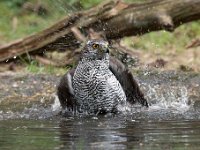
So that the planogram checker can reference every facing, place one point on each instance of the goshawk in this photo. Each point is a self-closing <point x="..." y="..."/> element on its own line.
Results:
<point x="99" y="83"/>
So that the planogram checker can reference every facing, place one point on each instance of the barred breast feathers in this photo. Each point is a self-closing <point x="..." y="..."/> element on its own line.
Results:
<point x="96" y="87"/>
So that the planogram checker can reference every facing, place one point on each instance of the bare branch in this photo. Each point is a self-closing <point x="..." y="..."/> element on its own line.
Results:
<point x="115" y="19"/>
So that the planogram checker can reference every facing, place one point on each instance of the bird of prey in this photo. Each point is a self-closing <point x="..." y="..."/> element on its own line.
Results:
<point x="99" y="83"/>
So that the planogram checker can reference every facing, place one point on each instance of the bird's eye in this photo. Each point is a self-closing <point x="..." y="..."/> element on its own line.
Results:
<point x="95" y="46"/>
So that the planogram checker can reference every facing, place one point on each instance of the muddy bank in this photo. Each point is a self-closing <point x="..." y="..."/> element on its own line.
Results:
<point x="19" y="90"/>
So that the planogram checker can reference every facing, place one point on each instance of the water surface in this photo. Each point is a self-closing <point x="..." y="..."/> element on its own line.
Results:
<point x="171" y="122"/>
<point x="99" y="133"/>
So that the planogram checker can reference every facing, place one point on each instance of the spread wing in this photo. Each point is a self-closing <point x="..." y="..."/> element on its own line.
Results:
<point x="127" y="81"/>
<point x="65" y="91"/>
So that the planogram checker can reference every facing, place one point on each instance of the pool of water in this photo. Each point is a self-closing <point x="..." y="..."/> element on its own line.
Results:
<point x="171" y="122"/>
<point x="114" y="132"/>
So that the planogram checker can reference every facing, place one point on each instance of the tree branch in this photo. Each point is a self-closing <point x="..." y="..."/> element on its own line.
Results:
<point x="115" y="19"/>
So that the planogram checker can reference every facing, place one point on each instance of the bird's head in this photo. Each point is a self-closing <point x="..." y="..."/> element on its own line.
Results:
<point x="96" y="50"/>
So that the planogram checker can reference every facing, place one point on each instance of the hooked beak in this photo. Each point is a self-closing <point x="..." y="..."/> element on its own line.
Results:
<point x="106" y="48"/>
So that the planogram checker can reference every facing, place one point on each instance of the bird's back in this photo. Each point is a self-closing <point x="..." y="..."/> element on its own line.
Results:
<point x="96" y="89"/>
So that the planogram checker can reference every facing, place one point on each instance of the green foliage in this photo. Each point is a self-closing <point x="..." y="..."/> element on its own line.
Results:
<point x="35" y="67"/>
<point x="14" y="3"/>
<point x="15" y="23"/>
<point x="134" y="1"/>
<point x="164" y="40"/>
<point x="89" y="3"/>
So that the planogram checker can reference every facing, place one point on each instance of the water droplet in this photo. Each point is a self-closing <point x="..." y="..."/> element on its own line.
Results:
<point x="94" y="118"/>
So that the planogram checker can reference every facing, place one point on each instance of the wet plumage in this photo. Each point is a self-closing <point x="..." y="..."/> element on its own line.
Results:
<point x="99" y="83"/>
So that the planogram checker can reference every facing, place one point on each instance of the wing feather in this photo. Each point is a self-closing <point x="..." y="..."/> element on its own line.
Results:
<point x="133" y="93"/>
<point x="127" y="81"/>
<point x="65" y="90"/>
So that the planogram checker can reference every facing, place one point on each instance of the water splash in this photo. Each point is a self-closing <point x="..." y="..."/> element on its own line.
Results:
<point x="168" y="97"/>
<point x="166" y="102"/>
<point x="56" y="105"/>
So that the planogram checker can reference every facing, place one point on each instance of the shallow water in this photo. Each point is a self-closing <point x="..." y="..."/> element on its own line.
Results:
<point x="171" y="122"/>
<point x="99" y="133"/>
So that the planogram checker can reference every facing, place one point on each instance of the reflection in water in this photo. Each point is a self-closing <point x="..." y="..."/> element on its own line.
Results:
<point x="100" y="133"/>
<point x="113" y="132"/>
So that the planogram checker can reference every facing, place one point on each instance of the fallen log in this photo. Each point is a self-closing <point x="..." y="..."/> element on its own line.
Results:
<point x="115" y="19"/>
